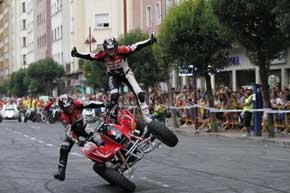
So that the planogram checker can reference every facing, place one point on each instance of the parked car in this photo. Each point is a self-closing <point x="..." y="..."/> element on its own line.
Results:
<point x="10" y="111"/>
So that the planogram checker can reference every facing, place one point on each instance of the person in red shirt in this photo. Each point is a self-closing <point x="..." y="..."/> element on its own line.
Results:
<point x="115" y="59"/>
<point x="72" y="119"/>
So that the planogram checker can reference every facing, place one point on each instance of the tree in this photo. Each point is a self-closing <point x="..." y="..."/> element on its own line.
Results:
<point x="4" y="87"/>
<point x="43" y="74"/>
<point x="19" y="86"/>
<point x="192" y="35"/>
<point x="95" y="74"/>
<point x="261" y="27"/>
<point x="143" y="63"/>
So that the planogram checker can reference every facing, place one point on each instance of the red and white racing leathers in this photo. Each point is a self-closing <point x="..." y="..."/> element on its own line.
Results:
<point x="119" y="71"/>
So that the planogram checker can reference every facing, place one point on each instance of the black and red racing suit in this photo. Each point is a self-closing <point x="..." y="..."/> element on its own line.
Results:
<point x="75" y="124"/>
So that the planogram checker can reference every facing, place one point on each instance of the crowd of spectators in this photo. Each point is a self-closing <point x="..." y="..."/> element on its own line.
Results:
<point x="158" y="100"/>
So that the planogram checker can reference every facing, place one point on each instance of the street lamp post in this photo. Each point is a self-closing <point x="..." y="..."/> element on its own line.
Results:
<point x="90" y="40"/>
<point x="125" y="16"/>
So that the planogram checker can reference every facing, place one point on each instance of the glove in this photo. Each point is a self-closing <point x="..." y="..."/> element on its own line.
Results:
<point x="74" y="52"/>
<point x="81" y="141"/>
<point x="153" y="39"/>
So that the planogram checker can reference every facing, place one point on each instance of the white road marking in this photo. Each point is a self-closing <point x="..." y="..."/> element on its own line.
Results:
<point x="40" y="141"/>
<point x="77" y="154"/>
<point x="155" y="182"/>
<point x="49" y="145"/>
<point x="34" y="127"/>
<point x="33" y="138"/>
<point x="26" y="136"/>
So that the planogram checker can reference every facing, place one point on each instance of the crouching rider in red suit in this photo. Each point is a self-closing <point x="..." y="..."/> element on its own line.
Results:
<point x="72" y="119"/>
<point x="115" y="59"/>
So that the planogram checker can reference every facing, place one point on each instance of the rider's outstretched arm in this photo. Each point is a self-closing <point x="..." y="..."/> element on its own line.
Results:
<point x="99" y="56"/>
<point x="139" y="45"/>
<point x="93" y="104"/>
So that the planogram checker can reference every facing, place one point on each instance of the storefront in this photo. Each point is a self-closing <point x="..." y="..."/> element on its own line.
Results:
<point x="242" y="72"/>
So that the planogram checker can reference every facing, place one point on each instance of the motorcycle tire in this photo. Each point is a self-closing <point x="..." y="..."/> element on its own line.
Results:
<point x="163" y="133"/>
<point x="115" y="178"/>
<point x="38" y="118"/>
<point x="51" y="119"/>
<point x="140" y="125"/>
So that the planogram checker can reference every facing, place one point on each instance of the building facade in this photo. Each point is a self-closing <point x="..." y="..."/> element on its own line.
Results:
<point x="42" y="29"/>
<point x="242" y="72"/>
<point x="21" y="40"/>
<point x="4" y="39"/>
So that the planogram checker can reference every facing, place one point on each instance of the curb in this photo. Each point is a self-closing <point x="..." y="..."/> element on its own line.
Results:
<point x="271" y="141"/>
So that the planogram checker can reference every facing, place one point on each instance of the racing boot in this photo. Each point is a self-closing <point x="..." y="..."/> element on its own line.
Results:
<point x="64" y="151"/>
<point x="60" y="175"/>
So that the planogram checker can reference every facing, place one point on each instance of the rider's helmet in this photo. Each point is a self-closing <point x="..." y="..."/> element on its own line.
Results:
<point x="110" y="43"/>
<point x="65" y="102"/>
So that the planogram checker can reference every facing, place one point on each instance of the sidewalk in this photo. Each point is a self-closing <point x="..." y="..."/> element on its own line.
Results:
<point x="279" y="140"/>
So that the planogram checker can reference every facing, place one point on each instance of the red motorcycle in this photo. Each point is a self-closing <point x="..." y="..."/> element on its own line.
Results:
<point x="125" y="144"/>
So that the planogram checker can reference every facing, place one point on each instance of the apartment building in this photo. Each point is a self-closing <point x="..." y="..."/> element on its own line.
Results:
<point x="4" y="39"/>
<point x="42" y="29"/>
<point x="60" y="32"/>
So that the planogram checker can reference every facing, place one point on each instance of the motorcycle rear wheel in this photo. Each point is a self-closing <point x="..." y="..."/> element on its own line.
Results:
<point x="165" y="135"/>
<point x="114" y="178"/>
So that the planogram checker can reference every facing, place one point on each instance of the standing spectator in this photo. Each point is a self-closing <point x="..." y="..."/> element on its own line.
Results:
<point x="248" y="109"/>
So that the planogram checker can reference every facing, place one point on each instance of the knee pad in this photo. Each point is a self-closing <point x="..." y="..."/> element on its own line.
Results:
<point x="65" y="149"/>
<point x="141" y="97"/>
<point x="114" y="97"/>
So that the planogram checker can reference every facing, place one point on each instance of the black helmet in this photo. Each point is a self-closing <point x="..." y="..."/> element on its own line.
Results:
<point x="65" y="101"/>
<point x="110" y="43"/>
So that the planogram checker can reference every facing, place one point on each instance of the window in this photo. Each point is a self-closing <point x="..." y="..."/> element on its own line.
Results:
<point x="67" y="67"/>
<point x="23" y="24"/>
<point x="57" y="36"/>
<point x="168" y="5"/>
<point x="24" y="42"/>
<point x="61" y="35"/>
<point x="102" y="21"/>
<point x="158" y="13"/>
<point x="148" y="16"/>
<point x="23" y="7"/>
<point x="44" y="38"/>
<point x="24" y="59"/>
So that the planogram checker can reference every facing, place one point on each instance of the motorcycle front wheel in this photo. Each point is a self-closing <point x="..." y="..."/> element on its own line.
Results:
<point x="114" y="177"/>
<point x="165" y="135"/>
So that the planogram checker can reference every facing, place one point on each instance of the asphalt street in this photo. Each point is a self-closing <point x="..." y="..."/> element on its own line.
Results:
<point x="198" y="164"/>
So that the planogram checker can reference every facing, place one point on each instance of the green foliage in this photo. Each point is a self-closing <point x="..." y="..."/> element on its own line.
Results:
<point x="191" y="34"/>
<point x="145" y="67"/>
<point x="4" y="87"/>
<point x="42" y="74"/>
<point x="262" y="26"/>
<point x="19" y="86"/>
<point x="95" y="74"/>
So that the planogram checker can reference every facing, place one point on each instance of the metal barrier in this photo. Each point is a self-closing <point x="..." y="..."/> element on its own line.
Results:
<point x="232" y="119"/>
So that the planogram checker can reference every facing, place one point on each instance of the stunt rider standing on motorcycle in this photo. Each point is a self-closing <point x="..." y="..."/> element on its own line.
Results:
<point x="115" y="59"/>
<point x="71" y="117"/>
